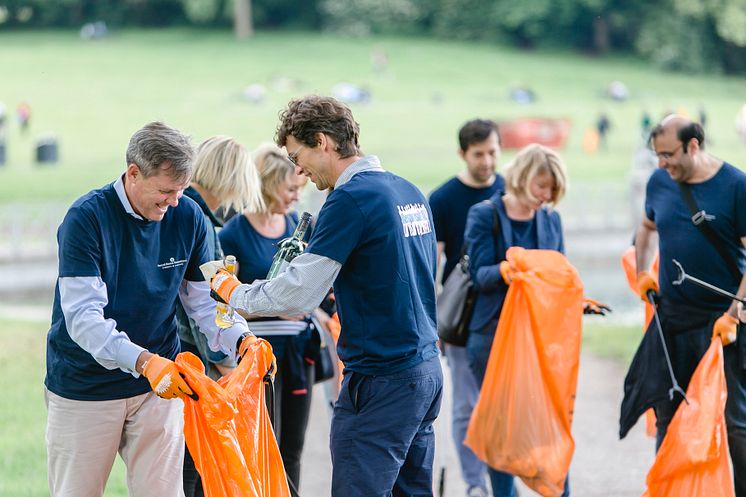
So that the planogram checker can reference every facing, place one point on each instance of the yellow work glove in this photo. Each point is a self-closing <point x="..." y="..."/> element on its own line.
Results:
<point x="726" y="327"/>
<point x="645" y="283"/>
<point x="165" y="379"/>
<point x="506" y="271"/>
<point x="222" y="285"/>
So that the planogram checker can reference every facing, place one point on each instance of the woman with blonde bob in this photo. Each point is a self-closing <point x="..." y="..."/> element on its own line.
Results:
<point x="223" y="176"/>
<point x="535" y="181"/>
<point x="253" y="238"/>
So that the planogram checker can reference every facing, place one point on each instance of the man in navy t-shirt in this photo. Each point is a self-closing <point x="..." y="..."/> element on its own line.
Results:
<point x="690" y="315"/>
<point x="373" y="241"/>
<point x="127" y="252"/>
<point x="479" y="147"/>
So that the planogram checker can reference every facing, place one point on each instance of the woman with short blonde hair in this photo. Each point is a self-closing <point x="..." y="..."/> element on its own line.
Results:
<point x="224" y="173"/>
<point x="275" y="171"/>
<point x="522" y="216"/>
<point x="535" y="160"/>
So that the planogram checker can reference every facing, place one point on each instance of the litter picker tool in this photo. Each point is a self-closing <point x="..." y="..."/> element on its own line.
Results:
<point x="718" y="291"/>
<point x="674" y="384"/>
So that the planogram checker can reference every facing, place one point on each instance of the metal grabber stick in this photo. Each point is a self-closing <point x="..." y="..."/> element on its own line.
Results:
<point x="674" y="384"/>
<point x="718" y="291"/>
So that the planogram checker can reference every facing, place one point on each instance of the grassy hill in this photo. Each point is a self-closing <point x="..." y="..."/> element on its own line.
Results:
<point x="93" y="95"/>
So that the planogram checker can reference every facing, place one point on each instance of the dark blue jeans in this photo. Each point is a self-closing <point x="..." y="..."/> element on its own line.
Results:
<point x="688" y="334"/>
<point x="382" y="440"/>
<point x="478" y="352"/>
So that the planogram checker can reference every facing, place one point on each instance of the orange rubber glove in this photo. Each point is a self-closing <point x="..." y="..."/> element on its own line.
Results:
<point x="222" y="284"/>
<point x="645" y="283"/>
<point x="593" y="306"/>
<point x="165" y="379"/>
<point x="244" y="345"/>
<point x="726" y="327"/>
<point x="506" y="271"/>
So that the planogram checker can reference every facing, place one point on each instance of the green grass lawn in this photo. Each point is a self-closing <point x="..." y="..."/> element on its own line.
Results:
<point x="93" y="95"/>
<point x="23" y="463"/>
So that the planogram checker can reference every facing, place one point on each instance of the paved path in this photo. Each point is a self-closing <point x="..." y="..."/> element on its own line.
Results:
<point x="602" y="466"/>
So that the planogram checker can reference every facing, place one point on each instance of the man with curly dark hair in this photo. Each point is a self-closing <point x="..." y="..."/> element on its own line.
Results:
<point x="375" y="243"/>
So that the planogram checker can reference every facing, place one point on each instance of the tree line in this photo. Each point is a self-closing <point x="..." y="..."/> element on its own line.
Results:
<point x="683" y="35"/>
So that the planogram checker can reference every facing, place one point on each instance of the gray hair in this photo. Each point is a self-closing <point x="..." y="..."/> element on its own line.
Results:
<point x="156" y="146"/>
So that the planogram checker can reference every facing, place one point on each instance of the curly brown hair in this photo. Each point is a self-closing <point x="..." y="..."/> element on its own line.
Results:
<point x="307" y="116"/>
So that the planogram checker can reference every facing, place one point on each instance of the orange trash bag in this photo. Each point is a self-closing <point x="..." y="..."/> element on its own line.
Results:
<point x="228" y="431"/>
<point x="521" y="423"/>
<point x="629" y="264"/>
<point x="694" y="460"/>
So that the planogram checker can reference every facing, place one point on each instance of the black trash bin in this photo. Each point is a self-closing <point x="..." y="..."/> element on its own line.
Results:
<point x="46" y="150"/>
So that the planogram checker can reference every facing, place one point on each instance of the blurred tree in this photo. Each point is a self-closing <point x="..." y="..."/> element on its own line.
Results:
<point x="243" y="26"/>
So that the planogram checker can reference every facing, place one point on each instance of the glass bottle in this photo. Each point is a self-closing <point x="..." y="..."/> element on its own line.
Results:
<point x="224" y="313"/>
<point x="290" y="248"/>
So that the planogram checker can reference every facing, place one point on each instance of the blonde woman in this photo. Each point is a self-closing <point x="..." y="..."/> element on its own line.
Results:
<point x="223" y="176"/>
<point x="253" y="238"/>
<point x="535" y="181"/>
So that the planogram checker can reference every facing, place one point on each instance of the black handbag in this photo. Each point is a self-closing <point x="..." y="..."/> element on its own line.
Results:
<point x="455" y="304"/>
<point x="321" y="352"/>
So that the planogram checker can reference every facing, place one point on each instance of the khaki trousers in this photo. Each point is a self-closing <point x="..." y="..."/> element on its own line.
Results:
<point x="83" y="438"/>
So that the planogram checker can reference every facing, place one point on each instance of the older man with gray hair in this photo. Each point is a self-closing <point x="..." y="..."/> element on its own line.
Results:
<point x="127" y="252"/>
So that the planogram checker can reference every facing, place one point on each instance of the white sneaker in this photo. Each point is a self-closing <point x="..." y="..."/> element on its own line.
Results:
<point x="476" y="492"/>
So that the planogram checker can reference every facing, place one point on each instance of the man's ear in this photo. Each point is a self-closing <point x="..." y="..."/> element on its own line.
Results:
<point x="693" y="146"/>
<point x="324" y="142"/>
<point x="133" y="172"/>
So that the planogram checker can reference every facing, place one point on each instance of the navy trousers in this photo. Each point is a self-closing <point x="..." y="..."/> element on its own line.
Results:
<point x="382" y="440"/>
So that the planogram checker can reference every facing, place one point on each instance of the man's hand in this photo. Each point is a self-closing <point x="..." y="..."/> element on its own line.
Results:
<point x="726" y="328"/>
<point x="645" y="283"/>
<point x="223" y="284"/>
<point x="592" y="306"/>
<point x="165" y="379"/>
<point x="506" y="271"/>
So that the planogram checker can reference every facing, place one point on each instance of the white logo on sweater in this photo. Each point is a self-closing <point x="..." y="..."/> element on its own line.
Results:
<point x="414" y="219"/>
<point x="172" y="263"/>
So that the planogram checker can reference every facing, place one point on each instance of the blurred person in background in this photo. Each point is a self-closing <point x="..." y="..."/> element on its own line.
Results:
<point x="253" y="237"/>
<point x="535" y="181"/>
<point x="127" y="253"/>
<point x="479" y="148"/>
<point x="224" y="176"/>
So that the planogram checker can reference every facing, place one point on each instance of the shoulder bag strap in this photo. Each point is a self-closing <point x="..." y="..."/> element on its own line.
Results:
<point x="699" y="220"/>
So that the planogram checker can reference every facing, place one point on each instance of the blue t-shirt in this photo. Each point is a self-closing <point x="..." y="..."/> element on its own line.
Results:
<point x="524" y="233"/>
<point x="723" y="198"/>
<point x="450" y="203"/>
<point x="142" y="264"/>
<point x="379" y="227"/>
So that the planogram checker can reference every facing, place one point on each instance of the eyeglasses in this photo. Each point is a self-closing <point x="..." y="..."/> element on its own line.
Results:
<point x="294" y="156"/>
<point x="668" y="155"/>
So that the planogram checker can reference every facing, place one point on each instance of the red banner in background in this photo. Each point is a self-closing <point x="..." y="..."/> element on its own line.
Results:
<point x="520" y="132"/>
